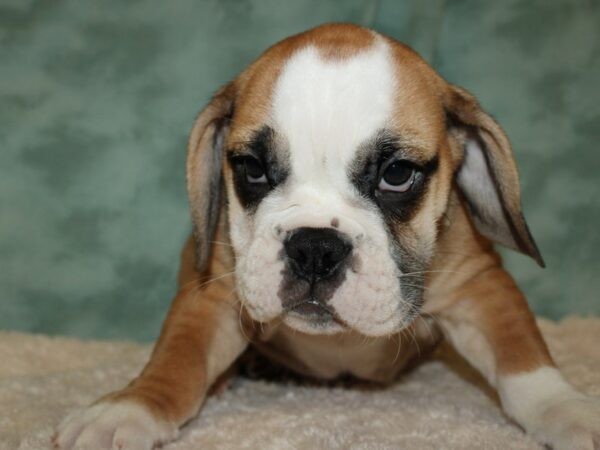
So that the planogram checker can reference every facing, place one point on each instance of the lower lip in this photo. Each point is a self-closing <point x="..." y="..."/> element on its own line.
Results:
<point x="317" y="325"/>
<point x="313" y="310"/>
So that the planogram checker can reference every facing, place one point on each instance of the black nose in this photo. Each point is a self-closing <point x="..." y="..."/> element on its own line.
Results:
<point x="316" y="253"/>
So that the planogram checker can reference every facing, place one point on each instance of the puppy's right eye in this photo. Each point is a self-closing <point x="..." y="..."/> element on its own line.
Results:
<point x="254" y="170"/>
<point x="397" y="177"/>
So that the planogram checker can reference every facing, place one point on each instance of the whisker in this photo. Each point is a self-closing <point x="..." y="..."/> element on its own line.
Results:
<point x="456" y="253"/>
<point x="413" y="334"/>
<point x="420" y="272"/>
<point x="218" y="277"/>
<point x="427" y="326"/>
<point x="419" y="286"/>
<point x="221" y="243"/>
<point x="399" y="336"/>
<point x="193" y="280"/>
<point x="199" y="285"/>
<point x="242" y="304"/>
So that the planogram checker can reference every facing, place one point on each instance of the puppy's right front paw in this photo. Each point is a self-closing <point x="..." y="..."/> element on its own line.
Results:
<point x="122" y="425"/>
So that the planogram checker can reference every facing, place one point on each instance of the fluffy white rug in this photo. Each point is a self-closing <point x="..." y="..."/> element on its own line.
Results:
<point x="440" y="404"/>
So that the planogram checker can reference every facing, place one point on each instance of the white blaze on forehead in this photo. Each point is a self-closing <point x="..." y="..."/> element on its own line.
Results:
<point x="326" y="108"/>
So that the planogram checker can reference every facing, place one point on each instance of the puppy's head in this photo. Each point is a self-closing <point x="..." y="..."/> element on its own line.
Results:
<point x="336" y="152"/>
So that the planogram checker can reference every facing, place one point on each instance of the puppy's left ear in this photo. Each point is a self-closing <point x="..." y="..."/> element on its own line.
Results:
<point x="204" y="169"/>
<point x="488" y="176"/>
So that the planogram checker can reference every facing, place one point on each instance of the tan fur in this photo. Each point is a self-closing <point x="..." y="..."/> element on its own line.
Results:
<point x="469" y="285"/>
<point x="201" y="337"/>
<point x="477" y="303"/>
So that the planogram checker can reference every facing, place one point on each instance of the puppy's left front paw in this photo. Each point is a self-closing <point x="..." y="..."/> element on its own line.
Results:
<point x="119" y="425"/>
<point x="570" y="424"/>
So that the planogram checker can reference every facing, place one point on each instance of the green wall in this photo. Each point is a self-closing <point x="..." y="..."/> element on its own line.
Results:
<point x="97" y="98"/>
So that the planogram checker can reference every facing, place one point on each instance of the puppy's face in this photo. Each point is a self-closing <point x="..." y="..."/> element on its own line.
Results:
<point x="335" y="191"/>
<point x="338" y="168"/>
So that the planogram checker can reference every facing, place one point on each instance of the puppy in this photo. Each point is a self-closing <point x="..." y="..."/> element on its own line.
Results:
<point x="341" y="189"/>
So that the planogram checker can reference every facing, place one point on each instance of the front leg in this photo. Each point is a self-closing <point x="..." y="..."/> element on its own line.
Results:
<point x="490" y="324"/>
<point x="200" y="339"/>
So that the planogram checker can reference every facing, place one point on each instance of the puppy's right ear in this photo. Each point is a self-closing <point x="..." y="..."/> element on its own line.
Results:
<point x="204" y="169"/>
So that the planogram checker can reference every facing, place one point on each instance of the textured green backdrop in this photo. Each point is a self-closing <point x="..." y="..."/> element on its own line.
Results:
<point x="97" y="98"/>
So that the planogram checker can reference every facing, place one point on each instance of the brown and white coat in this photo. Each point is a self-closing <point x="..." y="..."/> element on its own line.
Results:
<point x="407" y="181"/>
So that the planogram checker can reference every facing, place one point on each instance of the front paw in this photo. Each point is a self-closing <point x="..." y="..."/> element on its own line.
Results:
<point x="571" y="424"/>
<point x="551" y="410"/>
<point x="113" y="424"/>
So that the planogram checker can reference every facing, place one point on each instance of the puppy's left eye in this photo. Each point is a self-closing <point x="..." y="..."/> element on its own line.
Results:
<point x="254" y="171"/>
<point x="397" y="177"/>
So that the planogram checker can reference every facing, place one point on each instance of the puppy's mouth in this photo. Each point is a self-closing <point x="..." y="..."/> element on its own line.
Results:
<point x="314" y="311"/>
<point x="313" y="317"/>
<point x="307" y="302"/>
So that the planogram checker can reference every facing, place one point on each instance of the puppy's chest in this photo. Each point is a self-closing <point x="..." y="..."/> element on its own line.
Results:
<point x="327" y="357"/>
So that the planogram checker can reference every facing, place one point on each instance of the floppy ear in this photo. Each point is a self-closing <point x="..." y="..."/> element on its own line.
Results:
<point x="204" y="169"/>
<point x="488" y="176"/>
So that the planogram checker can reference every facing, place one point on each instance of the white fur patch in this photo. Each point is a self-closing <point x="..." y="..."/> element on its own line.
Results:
<point x="327" y="108"/>
<point x="113" y="425"/>
<point x="550" y="409"/>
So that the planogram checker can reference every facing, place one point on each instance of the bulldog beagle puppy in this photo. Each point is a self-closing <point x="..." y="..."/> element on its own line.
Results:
<point x="345" y="201"/>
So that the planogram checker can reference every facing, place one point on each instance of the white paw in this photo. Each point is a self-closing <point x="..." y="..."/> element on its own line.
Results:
<point x="551" y="410"/>
<point x="571" y="424"/>
<point x="116" y="425"/>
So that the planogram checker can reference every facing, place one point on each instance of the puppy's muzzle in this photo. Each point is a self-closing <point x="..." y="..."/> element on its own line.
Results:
<point x="316" y="256"/>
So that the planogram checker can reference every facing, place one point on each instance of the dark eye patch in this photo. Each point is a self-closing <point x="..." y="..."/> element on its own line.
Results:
<point x="384" y="152"/>
<point x="386" y="157"/>
<point x="251" y="161"/>
<point x="254" y="170"/>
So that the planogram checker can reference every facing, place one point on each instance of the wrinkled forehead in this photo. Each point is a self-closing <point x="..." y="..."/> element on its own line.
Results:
<point x="325" y="105"/>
